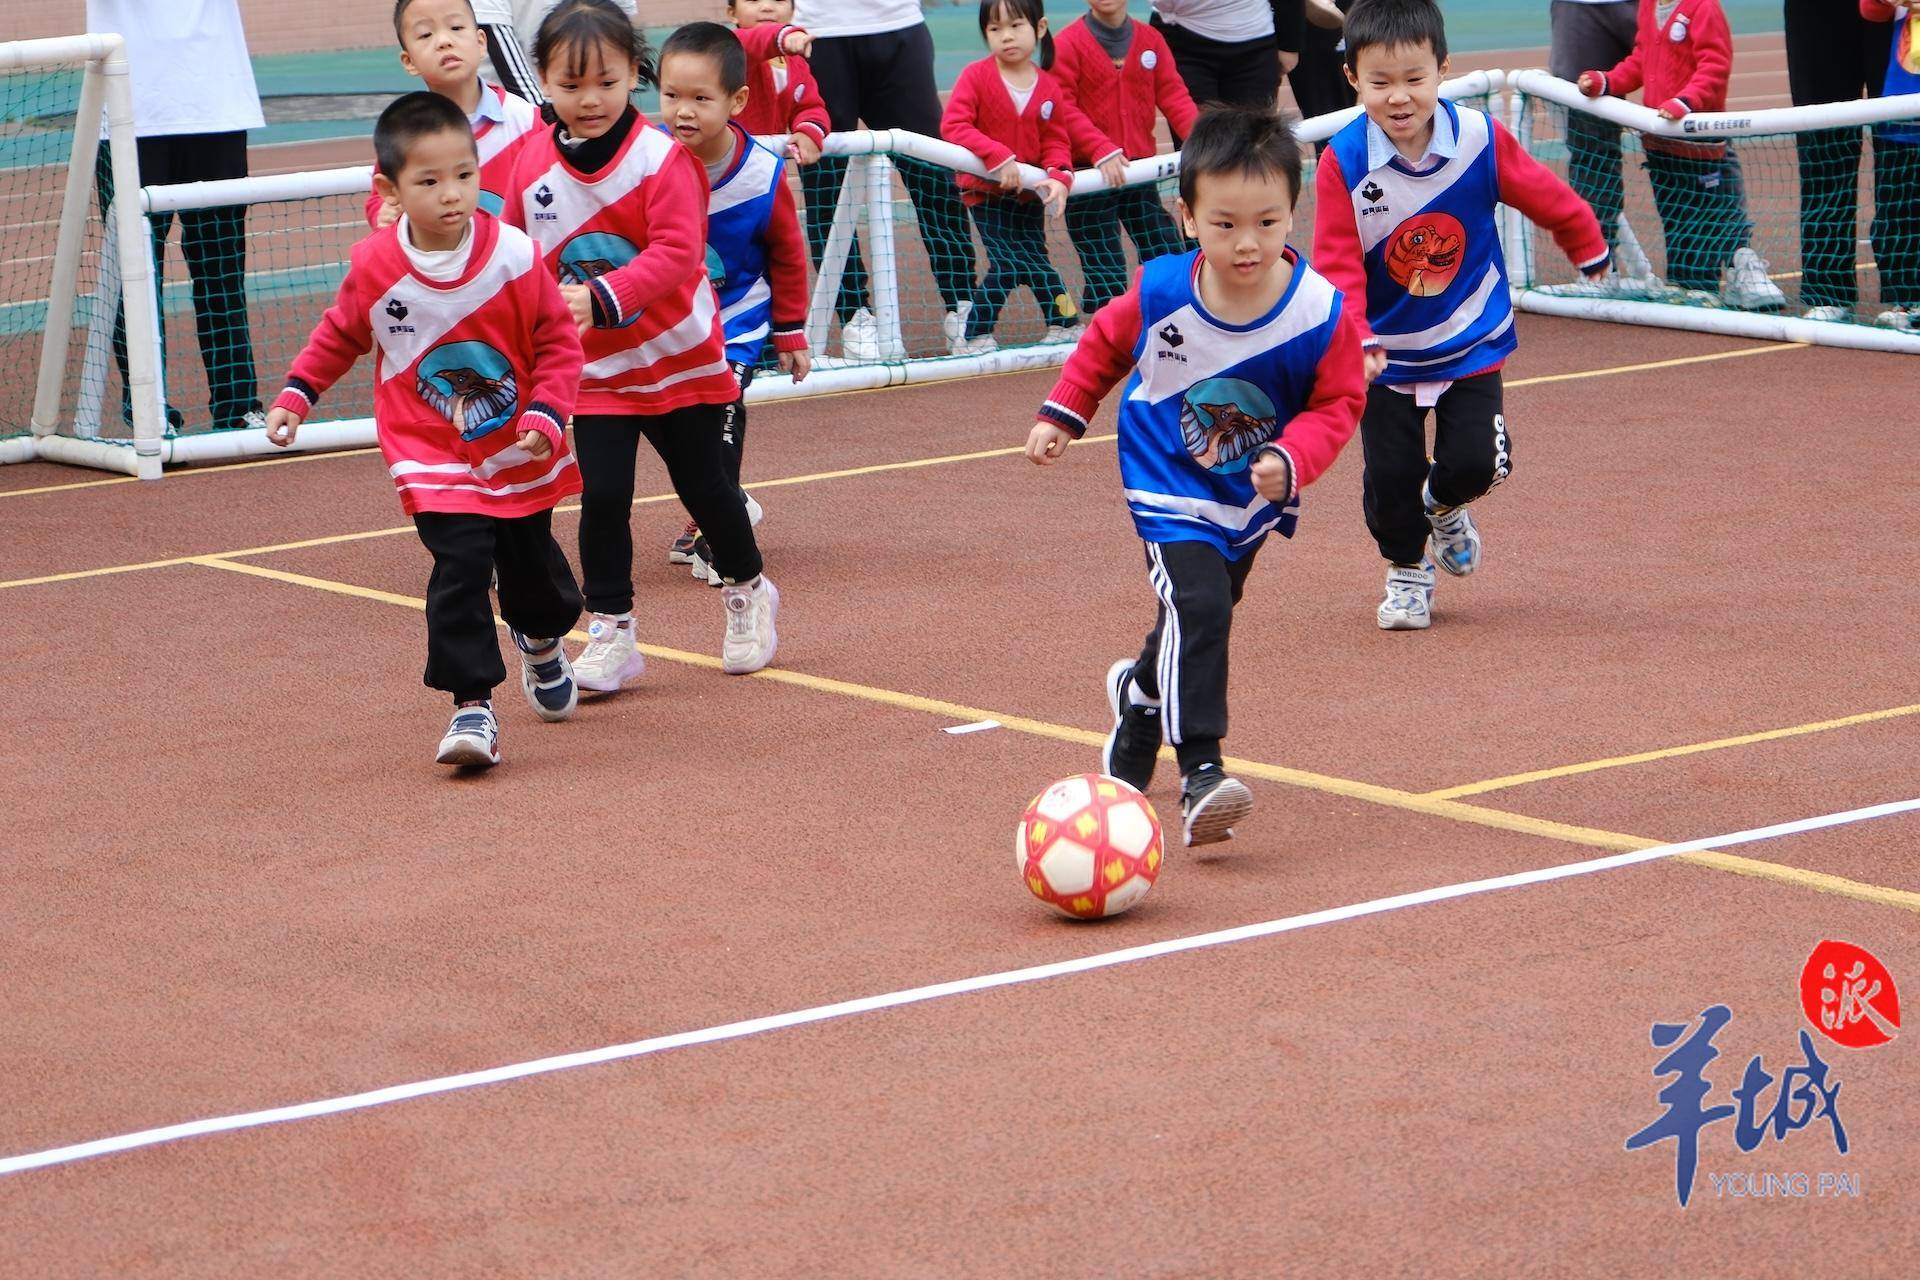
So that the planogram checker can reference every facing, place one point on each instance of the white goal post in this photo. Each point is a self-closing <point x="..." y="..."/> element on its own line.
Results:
<point x="104" y="87"/>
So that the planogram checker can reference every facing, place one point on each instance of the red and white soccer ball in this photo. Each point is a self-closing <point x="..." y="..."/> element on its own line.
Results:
<point x="1089" y="846"/>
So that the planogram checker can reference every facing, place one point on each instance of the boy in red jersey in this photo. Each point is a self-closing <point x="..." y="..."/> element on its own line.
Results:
<point x="782" y="96"/>
<point x="477" y="360"/>
<point x="1118" y="71"/>
<point x="442" y="43"/>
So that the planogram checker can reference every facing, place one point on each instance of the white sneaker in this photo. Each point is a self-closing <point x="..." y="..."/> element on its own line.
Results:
<point x="985" y="344"/>
<point x="1061" y="333"/>
<point x="860" y="338"/>
<point x="473" y="738"/>
<point x="545" y="677"/>
<point x="700" y="563"/>
<point x="751" y="638"/>
<point x="1456" y="541"/>
<point x="1748" y="286"/>
<point x="755" y="512"/>
<point x="1828" y="314"/>
<point x="1409" y="602"/>
<point x="954" y="326"/>
<point x="612" y="656"/>
<point x="1905" y="319"/>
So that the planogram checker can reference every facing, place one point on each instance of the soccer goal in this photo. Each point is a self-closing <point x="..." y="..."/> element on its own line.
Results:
<point x="63" y="275"/>
<point x="1720" y="216"/>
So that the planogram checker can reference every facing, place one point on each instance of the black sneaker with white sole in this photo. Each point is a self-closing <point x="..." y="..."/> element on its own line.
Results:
<point x="1134" y="744"/>
<point x="1211" y="803"/>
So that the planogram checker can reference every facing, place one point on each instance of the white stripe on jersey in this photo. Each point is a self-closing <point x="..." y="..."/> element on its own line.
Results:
<point x="660" y="384"/>
<point x="576" y="201"/>
<point x="431" y="313"/>
<point x="1405" y="195"/>
<point x="694" y="328"/>
<point x="511" y="456"/>
<point x="1175" y="506"/>
<point x="1464" y="317"/>
<point x="1221" y="349"/>
<point x="753" y="179"/>
<point x="759" y="293"/>
<point x="553" y="473"/>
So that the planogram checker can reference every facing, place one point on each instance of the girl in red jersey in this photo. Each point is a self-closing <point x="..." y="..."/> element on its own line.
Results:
<point x="1007" y="110"/>
<point x="619" y="214"/>
<point x="1118" y="71"/>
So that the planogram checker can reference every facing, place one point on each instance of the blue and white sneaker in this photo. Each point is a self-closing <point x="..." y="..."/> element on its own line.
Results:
<point x="1455" y="540"/>
<point x="473" y="737"/>
<point x="546" y="677"/>
<point x="1409" y="601"/>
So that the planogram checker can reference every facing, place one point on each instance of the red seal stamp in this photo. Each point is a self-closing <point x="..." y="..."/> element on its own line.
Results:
<point x="1849" y="995"/>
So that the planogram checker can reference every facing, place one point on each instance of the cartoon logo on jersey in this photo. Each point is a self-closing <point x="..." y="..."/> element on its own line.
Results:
<point x="1424" y="255"/>
<point x="469" y="384"/>
<point x="1223" y="420"/>
<point x="595" y="254"/>
<point x="716" y="269"/>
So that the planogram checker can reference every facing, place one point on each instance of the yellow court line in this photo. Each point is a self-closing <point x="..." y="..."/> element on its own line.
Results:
<point x="211" y="470"/>
<point x="1674" y="363"/>
<point x="395" y="530"/>
<point x="1388" y="797"/>
<point x="1667" y="753"/>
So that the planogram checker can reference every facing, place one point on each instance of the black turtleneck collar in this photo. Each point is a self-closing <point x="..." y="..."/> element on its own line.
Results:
<point x="591" y="155"/>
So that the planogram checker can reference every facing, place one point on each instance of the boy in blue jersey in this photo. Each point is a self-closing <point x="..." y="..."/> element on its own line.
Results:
<point x="756" y="255"/>
<point x="1404" y="218"/>
<point x="1243" y="372"/>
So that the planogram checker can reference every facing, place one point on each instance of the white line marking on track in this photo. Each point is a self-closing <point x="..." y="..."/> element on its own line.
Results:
<point x="919" y="995"/>
<point x="978" y="726"/>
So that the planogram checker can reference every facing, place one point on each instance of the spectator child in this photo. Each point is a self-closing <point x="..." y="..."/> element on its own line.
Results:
<point x="442" y="43"/>
<point x="756" y="256"/>
<point x="619" y="214"/>
<point x="1682" y="57"/>
<point x="1007" y="110"/>
<point x="782" y="96"/>
<point x="1244" y="381"/>
<point x="1404" y="217"/>
<point x="1896" y="174"/>
<point x="476" y="360"/>
<point x="1117" y="71"/>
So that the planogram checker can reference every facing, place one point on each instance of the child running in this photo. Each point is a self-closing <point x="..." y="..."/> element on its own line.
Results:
<point x="1682" y="58"/>
<point x="782" y="95"/>
<point x="1007" y="110"/>
<point x="756" y="256"/>
<point x="619" y="212"/>
<point x="1118" y="71"/>
<point x="1244" y="380"/>
<point x="475" y="366"/>
<point x="442" y="43"/>
<point x="1405" y="219"/>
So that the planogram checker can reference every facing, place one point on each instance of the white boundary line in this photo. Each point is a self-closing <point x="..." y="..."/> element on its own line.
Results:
<point x="918" y="995"/>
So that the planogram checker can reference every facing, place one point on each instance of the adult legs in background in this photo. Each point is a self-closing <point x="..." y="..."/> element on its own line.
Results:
<point x="1896" y="228"/>
<point x="1195" y="56"/>
<point x="214" y="243"/>
<point x="510" y="62"/>
<point x="835" y="68"/>
<point x="1593" y="37"/>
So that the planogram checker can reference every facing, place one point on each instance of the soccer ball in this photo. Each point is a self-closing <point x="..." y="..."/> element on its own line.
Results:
<point x="1088" y="846"/>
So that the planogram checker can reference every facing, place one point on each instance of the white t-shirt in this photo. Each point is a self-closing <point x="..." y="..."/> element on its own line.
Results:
<point x="858" y="17"/>
<point x="1228" y="21"/>
<point x="529" y="14"/>
<point x="489" y="12"/>
<point x="191" y="73"/>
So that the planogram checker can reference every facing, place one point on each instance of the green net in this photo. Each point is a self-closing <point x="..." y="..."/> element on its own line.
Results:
<point x="1823" y="221"/>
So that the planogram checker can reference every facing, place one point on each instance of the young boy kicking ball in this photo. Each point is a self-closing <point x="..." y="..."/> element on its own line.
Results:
<point x="1243" y="382"/>
<point x="477" y="361"/>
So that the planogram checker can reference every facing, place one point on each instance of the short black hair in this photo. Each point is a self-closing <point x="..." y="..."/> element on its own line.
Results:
<point x="711" y="40"/>
<point x="1255" y="141"/>
<point x="576" y="27"/>
<point x="409" y="118"/>
<point x="400" y="13"/>
<point x="1394" y="22"/>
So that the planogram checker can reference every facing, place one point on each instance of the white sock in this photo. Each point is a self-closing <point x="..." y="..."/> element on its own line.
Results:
<point x="1137" y="698"/>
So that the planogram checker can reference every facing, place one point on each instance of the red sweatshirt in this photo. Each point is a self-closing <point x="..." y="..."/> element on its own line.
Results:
<point x="782" y="95"/>
<point x="1683" y="65"/>
<point x="460" y="370"/>
<point x="980" y="117"/>
<point x="499" y="143"/>
<point x="635" y="233"/>
<point x="1119" y="101"/>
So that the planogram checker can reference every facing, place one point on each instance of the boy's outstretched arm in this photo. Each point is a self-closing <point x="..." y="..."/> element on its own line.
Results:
<point x="1549" y="203"/>
<point x="1098" y="363"/>
<point x="1314" y="437"/>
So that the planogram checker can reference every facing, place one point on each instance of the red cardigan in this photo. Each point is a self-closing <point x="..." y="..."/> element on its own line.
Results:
<point x="1684" y="74"/>
<point x="1049" y="133"/>
<point x="1120" y="100"/>
<point x="797" y="109"/>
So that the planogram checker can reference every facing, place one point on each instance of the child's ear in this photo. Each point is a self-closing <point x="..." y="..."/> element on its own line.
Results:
<point x="1352" y="79"/>
<point x="1040" y="32"/>
<point x="384" y="187"/>
<point x="406" y="64"/>
<point x="738" y="102"/>
<point x="481" y="31"/>
<point x="1446" y="68"/>
<point x="1187" y="224"/>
